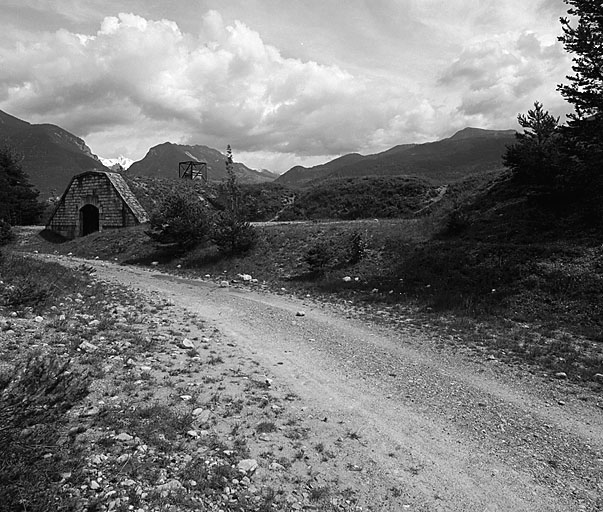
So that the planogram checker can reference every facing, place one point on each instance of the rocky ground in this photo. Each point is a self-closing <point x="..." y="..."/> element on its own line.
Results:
<point x="176" y="418"/>
<point x="213" y="395"/>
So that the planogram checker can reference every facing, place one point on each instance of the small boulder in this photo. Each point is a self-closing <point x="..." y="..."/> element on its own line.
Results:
<point x="247" y="465"/>
<point x="347" y="279"/>
<point x="561" y="375"/>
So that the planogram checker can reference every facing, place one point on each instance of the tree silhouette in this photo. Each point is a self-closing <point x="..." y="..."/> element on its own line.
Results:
<point x="18" y="199"/>
<point x="583" y="37"/>
<point x="535" y="156"/>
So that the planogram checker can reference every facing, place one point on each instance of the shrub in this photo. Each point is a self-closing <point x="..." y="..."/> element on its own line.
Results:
<point x="320" y="256"/>
<point x="232" y="234"/>
<point x="28" y="282"/>
<point x="181" y="221"/>
<point x="357" y="247"/>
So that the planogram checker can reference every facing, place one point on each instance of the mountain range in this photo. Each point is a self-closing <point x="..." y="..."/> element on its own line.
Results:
<point x="467" y="152"/>
<point x="51" y="156"/>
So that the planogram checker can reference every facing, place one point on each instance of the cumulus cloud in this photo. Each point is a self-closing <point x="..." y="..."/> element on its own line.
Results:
<point x="504" y="75"/>
<point x="225" y="84"/>
<point x="134" y="82"/>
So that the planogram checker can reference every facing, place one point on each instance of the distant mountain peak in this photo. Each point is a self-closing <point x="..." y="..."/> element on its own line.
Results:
<point x="471" y="132"/>
<point x="163" y="160"/>
<point x="468" y="152"/>
<point x="115" y="164"/>
<point x="51" y="154"/>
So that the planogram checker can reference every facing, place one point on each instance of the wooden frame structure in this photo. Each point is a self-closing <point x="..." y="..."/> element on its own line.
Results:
<point x="193" y="170"/>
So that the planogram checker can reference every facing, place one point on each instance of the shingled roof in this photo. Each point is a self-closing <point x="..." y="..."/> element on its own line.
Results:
<point x="126" y="194"/>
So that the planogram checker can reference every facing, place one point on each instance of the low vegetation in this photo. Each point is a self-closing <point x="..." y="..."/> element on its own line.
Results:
<point x="181" y="221"/>
<point x="366" y="197"/>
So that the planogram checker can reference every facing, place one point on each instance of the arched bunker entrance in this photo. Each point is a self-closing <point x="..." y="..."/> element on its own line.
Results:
<point x="89" y="219"/>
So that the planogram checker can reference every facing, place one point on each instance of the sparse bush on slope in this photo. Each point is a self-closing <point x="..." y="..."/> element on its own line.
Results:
<point x="181" y="221"/>
<point x="33" y="403"/>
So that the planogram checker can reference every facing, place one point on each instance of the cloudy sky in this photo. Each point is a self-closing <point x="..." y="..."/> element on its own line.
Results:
<point x="285" y="82"/>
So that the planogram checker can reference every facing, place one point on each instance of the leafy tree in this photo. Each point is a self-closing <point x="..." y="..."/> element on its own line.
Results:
<point x="231" y="232"/>
<point x="535" y="157"/>
<point x="180" y="220"/>
<point x="584" y="91"/>
<point x="18" y="199"/>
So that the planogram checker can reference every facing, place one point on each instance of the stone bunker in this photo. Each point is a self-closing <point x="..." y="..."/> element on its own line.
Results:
<point x="96" y="201"/>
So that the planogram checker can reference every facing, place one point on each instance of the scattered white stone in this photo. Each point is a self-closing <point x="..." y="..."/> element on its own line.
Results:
<point x="197" y="411"/>
<point x="123" y="458"/>
<point x="94" y="485"/>
<point x="224" y="284"/>
<point x="347" y="279"/>
<point x="172" y="485"/>
<point x="193" y="434"/>
<point x="247" y="465"/>
<point x="124" y="437"/>
<point x="38" y="319"/>
<point x="300" y="313"/>
<point x="154" y="263"/>
<point x="186" y="398"/>
<point x="599" y="377"/>
<point x="178" y="266"/>
<point x="561" y="375"/>
<point x="187" y="344"/>
<point x="86" y="346"/>
<point x="94" y="323"/>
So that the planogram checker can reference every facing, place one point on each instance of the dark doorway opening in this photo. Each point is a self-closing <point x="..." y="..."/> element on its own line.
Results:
<point x="89" y="217"/>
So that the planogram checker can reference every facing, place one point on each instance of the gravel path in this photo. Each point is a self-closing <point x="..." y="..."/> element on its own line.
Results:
<point x="444" y="432"/>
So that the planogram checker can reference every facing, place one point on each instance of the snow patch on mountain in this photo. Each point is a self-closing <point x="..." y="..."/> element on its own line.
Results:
<point x="116" y="164"/>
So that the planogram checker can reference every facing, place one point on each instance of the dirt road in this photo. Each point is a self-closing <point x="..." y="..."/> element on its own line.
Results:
<point x="445" y="432"/>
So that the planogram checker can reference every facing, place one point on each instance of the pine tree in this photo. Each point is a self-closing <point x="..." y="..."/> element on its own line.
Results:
<point x="231" y="232"/>
<point x="18" y="199"/>
<point x="583" y="37"/>
<point x="535" y="157"/>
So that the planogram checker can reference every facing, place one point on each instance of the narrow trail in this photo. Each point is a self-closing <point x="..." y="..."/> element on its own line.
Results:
<point x="453" y="435"/>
